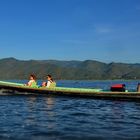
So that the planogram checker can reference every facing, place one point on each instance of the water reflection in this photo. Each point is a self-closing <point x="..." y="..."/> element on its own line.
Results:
<point x="49" y="104"/>
<point x="118" y="109"/>
<point x="31" y="102"/>
<point x="46" y="102"/>
<point x="48" y="117"/>
<point x="41" y="112"/>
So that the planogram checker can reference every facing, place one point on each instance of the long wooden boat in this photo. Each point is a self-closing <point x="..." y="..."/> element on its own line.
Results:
<point x="21" y="89"/>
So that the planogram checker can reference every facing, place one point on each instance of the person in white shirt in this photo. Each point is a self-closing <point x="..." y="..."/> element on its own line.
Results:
<point x="50" y="83"/>
<point x="32" y="81"/>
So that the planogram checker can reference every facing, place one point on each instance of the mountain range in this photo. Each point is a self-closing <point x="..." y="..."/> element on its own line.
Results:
<point x="11" y="68"/>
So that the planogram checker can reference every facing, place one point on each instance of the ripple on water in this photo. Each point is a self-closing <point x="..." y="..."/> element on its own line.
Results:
<point x="24" y="117"/>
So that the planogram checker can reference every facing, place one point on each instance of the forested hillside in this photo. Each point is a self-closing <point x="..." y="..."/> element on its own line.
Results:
<point x="11" y="68"/>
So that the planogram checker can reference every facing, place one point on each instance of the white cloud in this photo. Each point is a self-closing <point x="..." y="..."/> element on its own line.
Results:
<point x="73" y="41"/>
<point x="103" y="30"/>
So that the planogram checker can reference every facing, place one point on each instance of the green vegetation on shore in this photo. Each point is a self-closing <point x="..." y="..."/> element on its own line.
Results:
<point x="11" y="68"/>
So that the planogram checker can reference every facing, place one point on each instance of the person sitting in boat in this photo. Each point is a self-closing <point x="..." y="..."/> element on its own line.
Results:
<point x="138" y="87"/>
<point x="50" y="83"/>
<point x="32" y="82"/>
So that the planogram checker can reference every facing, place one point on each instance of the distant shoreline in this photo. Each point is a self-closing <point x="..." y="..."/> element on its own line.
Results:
<point x="12" y="68"/>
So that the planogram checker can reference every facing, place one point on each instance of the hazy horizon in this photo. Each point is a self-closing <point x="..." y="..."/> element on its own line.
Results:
<point x="67" y="60"/>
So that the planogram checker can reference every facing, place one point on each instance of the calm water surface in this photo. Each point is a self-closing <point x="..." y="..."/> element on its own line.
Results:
<point x="66" y="118"/>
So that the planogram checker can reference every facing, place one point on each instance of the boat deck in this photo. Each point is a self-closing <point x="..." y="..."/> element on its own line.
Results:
<point x="20" y="89"/>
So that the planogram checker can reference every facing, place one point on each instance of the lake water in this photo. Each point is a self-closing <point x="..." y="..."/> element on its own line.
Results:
<point x="66" y="118"/>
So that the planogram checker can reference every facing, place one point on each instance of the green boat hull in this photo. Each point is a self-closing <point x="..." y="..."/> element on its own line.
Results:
<point x="20" y="89"/>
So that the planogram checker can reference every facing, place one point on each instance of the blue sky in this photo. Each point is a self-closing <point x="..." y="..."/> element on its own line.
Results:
<point x="103" y="30"/>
